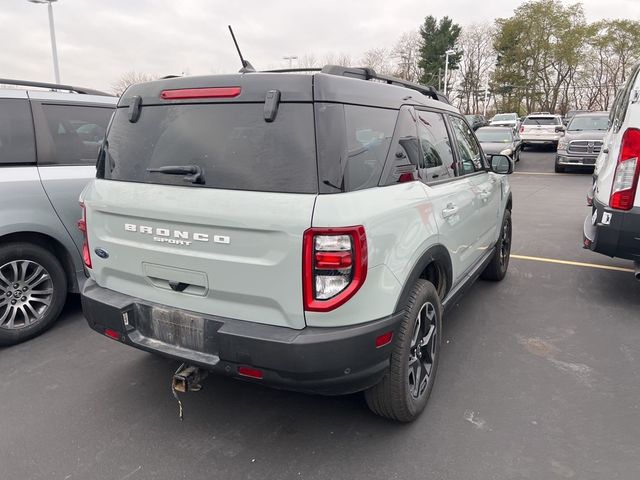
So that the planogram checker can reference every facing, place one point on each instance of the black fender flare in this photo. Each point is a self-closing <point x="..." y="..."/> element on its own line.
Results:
<point x="437" y="253"/>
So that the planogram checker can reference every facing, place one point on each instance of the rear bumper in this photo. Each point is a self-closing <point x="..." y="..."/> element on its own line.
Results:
<point x="545" y="138"/>
<point x="612" y="232"/>
<point x="328" y="361"/>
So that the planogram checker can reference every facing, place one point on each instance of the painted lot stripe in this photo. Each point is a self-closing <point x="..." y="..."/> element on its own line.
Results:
<point x="574" y="264"/>
<point x="548" y="173"/>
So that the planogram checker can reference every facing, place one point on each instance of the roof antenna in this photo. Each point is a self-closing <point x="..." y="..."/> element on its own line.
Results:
<point x="246" y="65"/>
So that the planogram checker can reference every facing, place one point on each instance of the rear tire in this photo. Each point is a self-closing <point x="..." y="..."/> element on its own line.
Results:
<point x="497" y="268"/>
<point x="403" y="392"/>
<point x="33" y="289"/>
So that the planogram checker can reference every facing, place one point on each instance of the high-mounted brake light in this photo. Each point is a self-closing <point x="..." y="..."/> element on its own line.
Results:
<point x="334" y="266"/>
<point x="82" y="226"/>
<point x="209" y="92"/>
<point x="625" y="181"/>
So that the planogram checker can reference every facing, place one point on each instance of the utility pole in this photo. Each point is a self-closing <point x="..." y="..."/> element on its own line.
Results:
<point x="486" y="94"/>
<point x="446" y="68"/>
<point x="52" y="32"/>
<point x="290" y="58"/>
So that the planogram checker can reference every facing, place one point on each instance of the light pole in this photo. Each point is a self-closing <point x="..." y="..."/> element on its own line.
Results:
<point x="446" y="68"/>
<point x="52" y="31"/>
<point x="486" y="95"/>
<point x="290" y="58"/>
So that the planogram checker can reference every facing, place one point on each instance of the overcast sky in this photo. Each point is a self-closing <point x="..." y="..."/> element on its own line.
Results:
<point x="98" y="40"/>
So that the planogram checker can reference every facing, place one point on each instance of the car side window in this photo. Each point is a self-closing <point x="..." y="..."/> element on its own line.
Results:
<point x="72" y="134"/>
<point x="437" y="160"/>
<point x="469" y="153"/>
<point x="17" y="145"/>
<point x="623" y="101"/>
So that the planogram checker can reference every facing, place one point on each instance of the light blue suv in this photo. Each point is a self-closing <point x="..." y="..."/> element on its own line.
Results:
<point x="49" y="139"/>
<point x="298" y="231"/>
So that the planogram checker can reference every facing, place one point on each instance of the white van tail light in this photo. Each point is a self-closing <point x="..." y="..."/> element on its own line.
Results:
<point x="334" y="266"/>
<point x="82" y="226"/>
<point x="625" y="182"/>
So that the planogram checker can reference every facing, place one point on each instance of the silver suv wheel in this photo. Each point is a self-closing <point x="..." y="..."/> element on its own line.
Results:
<point x="26" y="291"/>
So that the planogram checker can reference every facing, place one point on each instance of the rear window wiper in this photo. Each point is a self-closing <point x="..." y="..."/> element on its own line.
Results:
<point x="192" y="173"/>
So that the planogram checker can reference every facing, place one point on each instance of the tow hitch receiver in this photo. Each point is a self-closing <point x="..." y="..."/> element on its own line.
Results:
<point x="187" y="378"/>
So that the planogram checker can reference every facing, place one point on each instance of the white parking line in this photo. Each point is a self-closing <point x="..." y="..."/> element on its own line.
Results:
<point x="575" y="264"/>
<point x="548" y="173"/>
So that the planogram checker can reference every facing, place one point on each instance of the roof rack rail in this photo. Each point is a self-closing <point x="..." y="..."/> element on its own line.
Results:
<point x="365" y="73"/>
<point x="292" y="70"/>
<point x="53" y="86"/>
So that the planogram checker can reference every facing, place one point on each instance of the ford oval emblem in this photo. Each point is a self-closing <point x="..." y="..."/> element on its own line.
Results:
<point x="101" y="252"/>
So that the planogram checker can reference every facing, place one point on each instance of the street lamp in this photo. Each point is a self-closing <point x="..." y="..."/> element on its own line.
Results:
<point x="290" y="58"/>
<point x="446" y="68"/>
<point x="52" y="31"/>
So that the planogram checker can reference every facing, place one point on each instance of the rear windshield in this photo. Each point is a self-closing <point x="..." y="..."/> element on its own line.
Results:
<point x="541" y="121"/>
<point x="504" y="116"/>
<point x="232" y="144"/>
<point x="493" y="136"/>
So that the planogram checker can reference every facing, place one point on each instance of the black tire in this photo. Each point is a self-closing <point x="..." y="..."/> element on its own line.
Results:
<point x="497" y="268"/>
<point x="559" y="168"/>
<point x="395" y="397"/>
<point x="56" y="281"/>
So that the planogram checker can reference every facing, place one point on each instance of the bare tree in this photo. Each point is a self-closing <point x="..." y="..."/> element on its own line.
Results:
<point x="406" y="52"/>
<point x="129" y="78"/>
<point x="308" y="60"/>
<point x="478" y="60"/>
<point x="380" y="60"/>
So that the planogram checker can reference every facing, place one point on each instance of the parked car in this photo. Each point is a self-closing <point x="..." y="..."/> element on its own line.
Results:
<point x="48" y="148"/>
<point x="570" y="114"/>
<point x="505" y="120"/>
<point x="329" y="271"/>
<point x="500" y="141"/>
<point x="541" y="130"/>
<point x="476" y="121"/>
<point x="614" y="222"/>
<point x="582" y="142"/>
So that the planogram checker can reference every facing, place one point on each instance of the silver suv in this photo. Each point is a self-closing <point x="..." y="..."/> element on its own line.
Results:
<point x="48" y="149"/>
<point x="300" y="231"/>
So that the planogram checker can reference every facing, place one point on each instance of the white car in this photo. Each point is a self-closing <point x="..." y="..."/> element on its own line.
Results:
<point x="541" y="130"/>
<point x="505" y="120"/>
<point x="614" y="222"/>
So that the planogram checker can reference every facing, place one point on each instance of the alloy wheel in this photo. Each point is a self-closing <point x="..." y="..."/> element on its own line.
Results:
<point x="423" y="350"/>
<point x="26" y="291"/>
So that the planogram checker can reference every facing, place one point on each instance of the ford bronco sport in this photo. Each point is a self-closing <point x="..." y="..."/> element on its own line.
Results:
<point x="303" y="231"/>
<point x="49" y="143"/>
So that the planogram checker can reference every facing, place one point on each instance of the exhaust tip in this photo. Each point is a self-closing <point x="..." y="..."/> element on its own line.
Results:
<point x="636" y="267"/>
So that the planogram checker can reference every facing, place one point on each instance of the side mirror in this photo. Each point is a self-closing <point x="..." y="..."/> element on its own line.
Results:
<point x="501" y="164"/>
<point x="561" y="129"/>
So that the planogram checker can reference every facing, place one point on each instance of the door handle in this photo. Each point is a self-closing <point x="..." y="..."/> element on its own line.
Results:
<point x="449" y="211"/>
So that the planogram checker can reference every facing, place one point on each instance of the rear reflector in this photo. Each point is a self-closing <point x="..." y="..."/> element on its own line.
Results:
<point x="384" y="339"/>
<point x="250" y="372"/>
<point x="213" y="92"/>
<point x="112" y="334"/>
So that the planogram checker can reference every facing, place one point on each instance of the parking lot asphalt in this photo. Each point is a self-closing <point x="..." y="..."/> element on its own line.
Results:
<point x="539" y="379"/>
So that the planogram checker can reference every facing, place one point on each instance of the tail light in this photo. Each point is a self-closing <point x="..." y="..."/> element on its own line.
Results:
<point x="522" y="129"/>
<point x="334" y="266"/>
<point x="82" y="226"/>
<point x="625" y="182"/>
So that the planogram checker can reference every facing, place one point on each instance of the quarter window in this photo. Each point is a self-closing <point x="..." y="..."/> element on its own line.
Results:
<point x="469" y="152"/>
<point x="16" y="132"/>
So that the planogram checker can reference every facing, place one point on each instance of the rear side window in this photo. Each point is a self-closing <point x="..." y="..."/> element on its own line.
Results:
<point x="231" y="143"/>
<point x="437" y="155"/>
<point x="17" y="145"/>
<point x="71" y="134"/>
<point x="468" y="148"/>
<point x="353" y="142"/>
<point x="541" y="121"/>
<point x="622" y="102"/>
